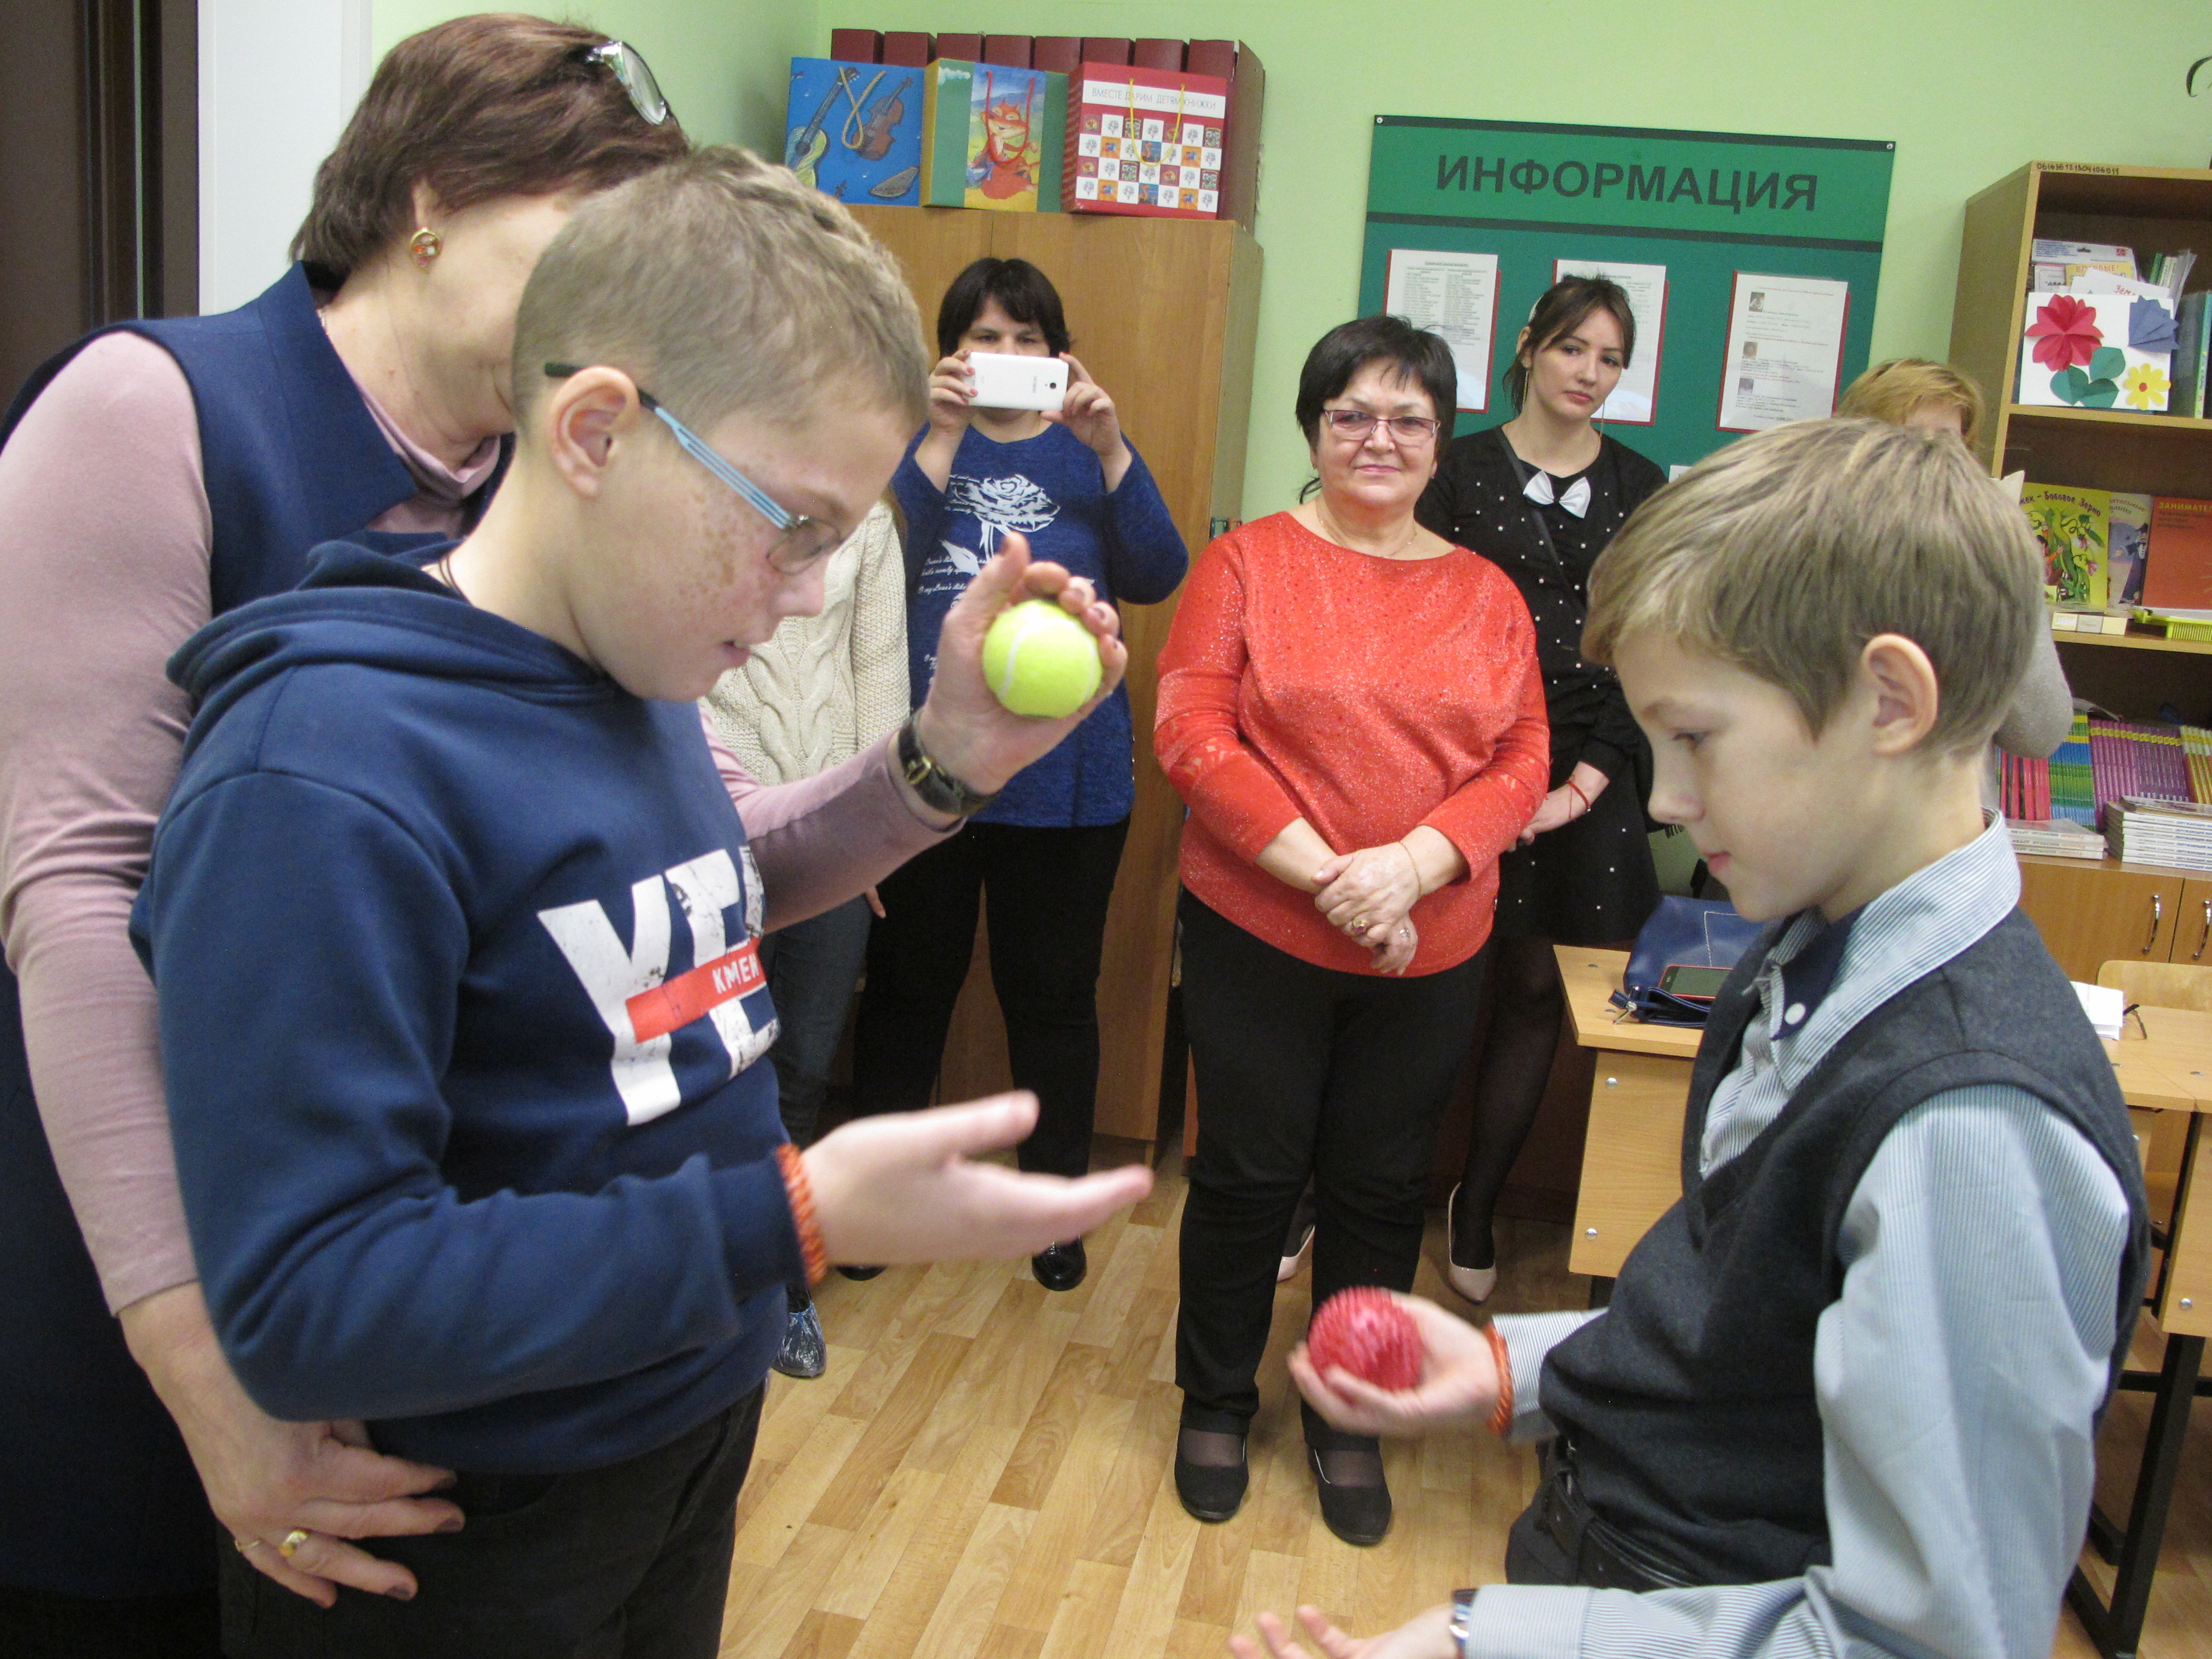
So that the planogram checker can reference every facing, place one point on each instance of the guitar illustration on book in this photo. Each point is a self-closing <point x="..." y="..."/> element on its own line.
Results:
<point x="806" y="146"/>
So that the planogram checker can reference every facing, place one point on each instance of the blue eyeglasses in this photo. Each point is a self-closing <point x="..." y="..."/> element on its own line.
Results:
<point x="800" y="541"/>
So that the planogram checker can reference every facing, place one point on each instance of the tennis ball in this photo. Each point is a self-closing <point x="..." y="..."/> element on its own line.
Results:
<point x="1367" y="1333"/>
<point x="1038" y="659"/>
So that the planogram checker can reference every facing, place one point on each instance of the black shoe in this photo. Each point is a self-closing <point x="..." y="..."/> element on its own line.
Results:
<point x="1062" y="1267"/>
<point x="805" y="1352"/>
<point x="858" y="1273"/>
<point x="1211" y="1491"/>
<point x="1357" y="1514"/>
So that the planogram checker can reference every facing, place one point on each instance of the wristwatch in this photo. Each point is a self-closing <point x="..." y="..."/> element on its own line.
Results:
<point x="1462" y="1615"/>
<point x="940" y="790"/>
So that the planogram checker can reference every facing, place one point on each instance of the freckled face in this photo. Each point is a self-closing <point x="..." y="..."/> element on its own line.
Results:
<point x="680" y="584"/>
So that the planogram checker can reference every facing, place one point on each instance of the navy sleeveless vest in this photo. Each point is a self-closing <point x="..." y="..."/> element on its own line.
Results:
<point x="1691" y="1404"/>
<point x="97" y="1495"/>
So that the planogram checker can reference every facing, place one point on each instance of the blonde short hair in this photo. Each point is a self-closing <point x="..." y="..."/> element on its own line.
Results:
<point x="1784" y="554"/>
<point x="720" y="284"/>
<point x="1897" y="390"/>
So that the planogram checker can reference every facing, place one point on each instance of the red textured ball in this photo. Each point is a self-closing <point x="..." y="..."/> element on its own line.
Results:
<point x="1365" y="1332"/>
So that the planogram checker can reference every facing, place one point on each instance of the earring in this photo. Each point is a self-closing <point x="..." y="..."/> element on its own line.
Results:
<point x="424" y="247"/>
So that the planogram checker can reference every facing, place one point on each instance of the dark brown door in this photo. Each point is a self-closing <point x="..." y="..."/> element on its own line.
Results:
<point x="99" y="171"/>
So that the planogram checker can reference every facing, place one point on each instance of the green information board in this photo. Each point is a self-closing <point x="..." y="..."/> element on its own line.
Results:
<point x="1705" y="205"/>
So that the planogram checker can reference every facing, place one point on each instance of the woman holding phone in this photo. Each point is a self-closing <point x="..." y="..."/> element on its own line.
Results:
<point x="1045" y="852"/>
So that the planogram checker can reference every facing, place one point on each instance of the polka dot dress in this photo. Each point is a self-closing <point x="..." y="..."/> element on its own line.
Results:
<point x="1591" y="881"/>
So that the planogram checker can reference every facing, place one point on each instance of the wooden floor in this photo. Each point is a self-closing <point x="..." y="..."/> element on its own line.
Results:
<point x="986" y="1473"/>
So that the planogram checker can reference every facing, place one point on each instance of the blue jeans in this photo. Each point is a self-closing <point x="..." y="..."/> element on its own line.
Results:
<point x="812" y="967"/>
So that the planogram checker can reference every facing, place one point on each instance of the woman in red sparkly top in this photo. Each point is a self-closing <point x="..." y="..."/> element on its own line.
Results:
<point x="1351" y="707"/>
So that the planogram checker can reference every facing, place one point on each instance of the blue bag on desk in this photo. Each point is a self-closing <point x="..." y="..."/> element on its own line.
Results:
<point x="1698" y="932"/>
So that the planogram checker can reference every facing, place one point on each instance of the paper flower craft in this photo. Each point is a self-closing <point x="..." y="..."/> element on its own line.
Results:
<point x="2065" y="332"/>
<point x="2150" y="327"/>
<point x="2145" y="386"/>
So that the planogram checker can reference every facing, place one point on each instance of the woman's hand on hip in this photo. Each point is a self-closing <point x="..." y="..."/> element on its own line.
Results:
<point x="965" y="729"/>
<point x="268" y="1480"/>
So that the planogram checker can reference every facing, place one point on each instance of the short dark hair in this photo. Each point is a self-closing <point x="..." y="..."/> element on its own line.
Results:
<point x="1562" y="310"/>
<point x="1416" y="354"/>
<point x="473" y="109"/>
<point x="1023" y="293"/>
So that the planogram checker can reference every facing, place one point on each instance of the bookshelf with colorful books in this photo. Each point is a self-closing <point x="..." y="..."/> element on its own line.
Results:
<point x="2108" y="471"/>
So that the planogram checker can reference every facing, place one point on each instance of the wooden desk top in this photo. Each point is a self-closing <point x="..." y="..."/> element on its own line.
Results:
<point x="2168" y="1070"/>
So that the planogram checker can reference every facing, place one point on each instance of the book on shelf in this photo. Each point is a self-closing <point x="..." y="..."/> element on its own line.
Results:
<point x="2023" y="787"/>
<point x="2192" y="345"/>
<point x="2074" y="528"/>
<point x="2128" y="544"/>
<point x="2055" y="838"/>
<point x="2177" y="567"/>
<point x="2139" y="759"/>
<point x="2089" y="621"/>
<point x="2072" y="779"/>
<point x="2142" y="830"/>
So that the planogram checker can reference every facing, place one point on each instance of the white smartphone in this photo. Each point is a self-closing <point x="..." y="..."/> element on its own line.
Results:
<point x="1005" y="381"/>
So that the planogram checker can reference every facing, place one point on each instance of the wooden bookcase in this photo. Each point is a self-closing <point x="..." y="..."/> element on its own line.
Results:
<point x="2095" y="913"/>
<point x="1164" y="313"/>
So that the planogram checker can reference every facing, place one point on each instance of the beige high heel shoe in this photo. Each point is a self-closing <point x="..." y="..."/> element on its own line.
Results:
<point x="1475" y="1284"/>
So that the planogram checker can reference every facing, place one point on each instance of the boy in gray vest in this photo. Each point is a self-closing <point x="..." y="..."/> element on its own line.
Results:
<point x="1845" y="1397"/>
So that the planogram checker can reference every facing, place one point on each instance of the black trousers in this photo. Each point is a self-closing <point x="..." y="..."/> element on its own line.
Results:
<point x="627" y="1562"/>
<point x="1048" y="891"/>
<point x="1302" y="1071"/>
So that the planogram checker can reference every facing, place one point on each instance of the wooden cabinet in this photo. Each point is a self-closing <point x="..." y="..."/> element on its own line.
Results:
<point x="1164" y="313"/>
<point x="2093" y="913"/>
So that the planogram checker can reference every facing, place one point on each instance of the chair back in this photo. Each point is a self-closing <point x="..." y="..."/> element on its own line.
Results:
<point x="2159" y="984"/>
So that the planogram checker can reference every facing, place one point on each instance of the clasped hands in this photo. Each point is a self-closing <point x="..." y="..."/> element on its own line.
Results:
<point x="1368" y="896"/>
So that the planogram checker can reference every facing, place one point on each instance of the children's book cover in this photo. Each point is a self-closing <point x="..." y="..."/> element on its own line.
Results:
<point x="853" y="131"/>
<point x="2178" y="574"/>
<point x="992" y="137"/>
<point x="2130" y="540"/>
<point x="2075" y="526"/>
<point x="1144" y="142"/>
<point x="2097" y="351"/>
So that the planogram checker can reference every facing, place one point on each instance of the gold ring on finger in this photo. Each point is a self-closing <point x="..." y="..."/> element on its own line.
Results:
<point x="293" y="1540"/>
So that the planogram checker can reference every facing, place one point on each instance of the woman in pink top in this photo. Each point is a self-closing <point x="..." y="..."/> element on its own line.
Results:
<point x="1352" y="708"/>
<point x="150" y="477"/>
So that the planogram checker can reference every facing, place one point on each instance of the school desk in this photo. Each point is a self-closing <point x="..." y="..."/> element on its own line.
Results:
<point x="1631" y="1172"/>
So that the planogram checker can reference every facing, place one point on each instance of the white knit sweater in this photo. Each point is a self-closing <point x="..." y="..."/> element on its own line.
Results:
<point x="825" y="687"/>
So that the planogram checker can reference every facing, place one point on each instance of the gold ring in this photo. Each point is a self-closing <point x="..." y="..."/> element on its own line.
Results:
<point x="1359" y="923"/>
<point x="244" y="1544"/>
<point x="293" y="1540"/>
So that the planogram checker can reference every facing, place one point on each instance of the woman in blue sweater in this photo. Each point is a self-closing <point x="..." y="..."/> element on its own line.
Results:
<point x="1045" y="852"/>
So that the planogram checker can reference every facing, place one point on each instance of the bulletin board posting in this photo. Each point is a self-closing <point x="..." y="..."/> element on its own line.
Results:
<point x="1708" y="206"/>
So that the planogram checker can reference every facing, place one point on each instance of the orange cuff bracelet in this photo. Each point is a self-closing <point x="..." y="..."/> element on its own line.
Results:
<point x="1502" y="1419"/>
<point x="801" y="1194"/>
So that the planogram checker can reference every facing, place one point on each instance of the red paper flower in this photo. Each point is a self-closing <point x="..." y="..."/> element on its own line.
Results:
<point x="2065" y="332"/>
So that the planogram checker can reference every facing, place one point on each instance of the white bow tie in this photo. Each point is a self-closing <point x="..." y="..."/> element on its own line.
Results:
<point x="1575" y="499"/>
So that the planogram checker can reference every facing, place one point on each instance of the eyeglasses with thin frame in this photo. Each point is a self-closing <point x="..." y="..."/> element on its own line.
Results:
<point x="635" y="76"/>
<point x="1411" y="430"/>
<point x="800" y="541"/>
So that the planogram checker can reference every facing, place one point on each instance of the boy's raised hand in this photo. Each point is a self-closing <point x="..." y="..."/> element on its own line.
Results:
<point x="904" y="1187"/>
<point x="1458" y="1385"/>
<point x="965" y="729"/>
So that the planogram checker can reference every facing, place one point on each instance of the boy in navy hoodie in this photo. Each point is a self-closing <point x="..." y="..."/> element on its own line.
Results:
<point x="1845" y="1397"/>
<point x="453" y="916"/>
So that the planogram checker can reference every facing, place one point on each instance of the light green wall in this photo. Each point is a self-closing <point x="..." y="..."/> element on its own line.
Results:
<point x="724" y="63"/>
<point x="1968" y="88"/>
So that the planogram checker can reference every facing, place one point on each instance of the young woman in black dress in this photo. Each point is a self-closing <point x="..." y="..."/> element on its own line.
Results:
<point x="1541" y="496"/>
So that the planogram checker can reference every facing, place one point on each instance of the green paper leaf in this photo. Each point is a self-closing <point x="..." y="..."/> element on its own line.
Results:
<point x="2106" y="363"/>
<point x="2100" y="395"/>
<point x="2068" y="385"/>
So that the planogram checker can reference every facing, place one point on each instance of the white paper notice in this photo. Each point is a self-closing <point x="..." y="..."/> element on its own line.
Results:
<point x="1456" y="295"/>
<point x="1635" y="396"/>
<point x="1785" y="350"/>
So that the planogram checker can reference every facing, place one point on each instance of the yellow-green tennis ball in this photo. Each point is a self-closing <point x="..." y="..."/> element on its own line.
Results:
<point x="1038" y="659"/>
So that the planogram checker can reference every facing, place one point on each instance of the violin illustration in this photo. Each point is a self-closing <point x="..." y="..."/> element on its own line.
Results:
<point x="875" y="127"/>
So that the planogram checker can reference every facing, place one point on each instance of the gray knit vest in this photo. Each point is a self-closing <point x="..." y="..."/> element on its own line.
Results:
<point x="1690" y="1406"/>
